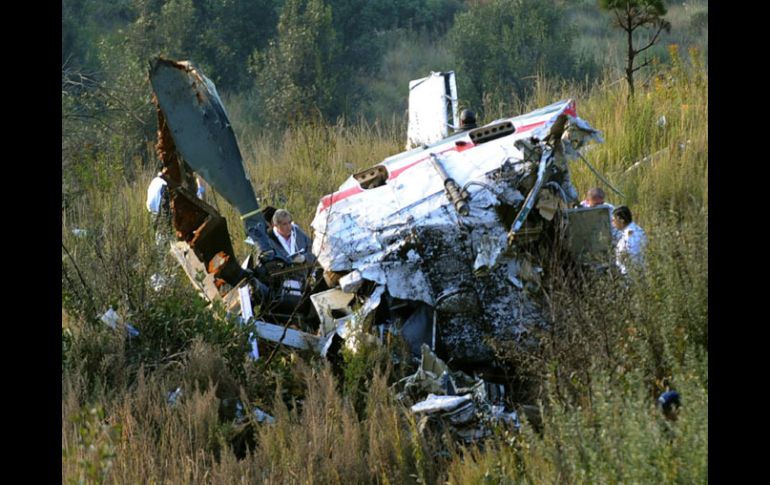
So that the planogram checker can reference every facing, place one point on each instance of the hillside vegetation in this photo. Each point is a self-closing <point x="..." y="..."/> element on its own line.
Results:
<point x="595" y="376"/>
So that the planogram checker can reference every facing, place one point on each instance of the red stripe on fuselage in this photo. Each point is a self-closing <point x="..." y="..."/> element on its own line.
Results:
<point x="328" y="200"/>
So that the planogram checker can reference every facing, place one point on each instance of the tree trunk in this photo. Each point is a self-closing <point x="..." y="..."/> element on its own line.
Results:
<point x="630" y="60"/>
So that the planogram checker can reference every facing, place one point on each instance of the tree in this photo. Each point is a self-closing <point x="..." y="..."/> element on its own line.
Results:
<point x="226" y="34"/>
<point x="497" y="45"/>
<point x="631" y="15"/>
<point x="295" y="74"/>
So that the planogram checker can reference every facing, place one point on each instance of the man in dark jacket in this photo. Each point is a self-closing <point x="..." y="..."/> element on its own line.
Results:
<point x="294" y="245"/>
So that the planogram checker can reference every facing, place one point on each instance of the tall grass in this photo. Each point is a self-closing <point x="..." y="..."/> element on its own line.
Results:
<point x="611" y="350"/>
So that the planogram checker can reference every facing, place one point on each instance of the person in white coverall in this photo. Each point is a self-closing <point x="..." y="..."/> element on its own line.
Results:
<point x="629" y="249"/>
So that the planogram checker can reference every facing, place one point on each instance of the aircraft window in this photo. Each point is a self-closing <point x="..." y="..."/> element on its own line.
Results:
<point x="372" y="177"/>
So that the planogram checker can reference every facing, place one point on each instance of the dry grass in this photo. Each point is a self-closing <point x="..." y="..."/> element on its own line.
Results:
<point x="599" y="368"/>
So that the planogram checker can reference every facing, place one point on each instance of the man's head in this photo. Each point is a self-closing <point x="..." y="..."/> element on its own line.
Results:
<point x="595" y="196"/>
<point x="282" y="222"/>
<point x="467" y="119"/>
<point x="621" y="217"/>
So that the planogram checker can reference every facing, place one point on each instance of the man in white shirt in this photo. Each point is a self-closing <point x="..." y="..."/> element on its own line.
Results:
<point x="293" y="244"/>
<point x="629" y="250"/>
<point x="156" y="193"/>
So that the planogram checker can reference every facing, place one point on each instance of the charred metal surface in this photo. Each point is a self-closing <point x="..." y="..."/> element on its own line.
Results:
<point x="195" y="221"/>
<point x="450" y="250"/>
<point x="196" y="129"/>
<point x="444" y="252"/>
<point x="472" y="308"/>
<point x="187" y="216"/>
<point x="588" y="235"/>
<point x="215" y="267"/>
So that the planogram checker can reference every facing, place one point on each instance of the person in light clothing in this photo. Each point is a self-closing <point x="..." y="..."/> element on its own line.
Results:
<point x="157" y="195"/>
<point x="293" y="244"/>
<point x="629" y="249"/>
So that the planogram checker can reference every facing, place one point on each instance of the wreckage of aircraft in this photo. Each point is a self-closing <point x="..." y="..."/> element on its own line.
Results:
<point x="435" y="244"/>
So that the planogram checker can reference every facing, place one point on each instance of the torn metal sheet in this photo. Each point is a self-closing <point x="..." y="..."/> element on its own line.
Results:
<point x="194" y="134"/>
<point x="351" y="282"/>
<point x="442" y="234"/>
<point x="434" y="403"/>
<point x="201" y="130"/>
<point x="327" y="302"/>
<point x="287" y="336"/>
<point x="448" y="399"/>
<point x="351" y="328"/>
<point x="432" y="108"/>
<point x="453" y="219"/>
<point x="259" y="415"/>
<point x="195" y="270"/>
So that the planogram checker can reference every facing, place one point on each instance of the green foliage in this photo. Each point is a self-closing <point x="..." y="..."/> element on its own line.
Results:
<point x="408" y="55"/>
<point x="612" y="349"/>
<point x="630" y="16"/>
<point x="170" y="325"/>
<point x="359" y="367"/>
<point x="95" y="449"/>
<point x="218" y="35"/>
<point x="295" y="75"/>
<point x="66" y="346"/>
<point x="501" y="44"/>
<point x="361" y="23"/>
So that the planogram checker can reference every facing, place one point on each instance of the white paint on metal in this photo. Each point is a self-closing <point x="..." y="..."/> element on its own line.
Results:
<point x="432" y="100"/>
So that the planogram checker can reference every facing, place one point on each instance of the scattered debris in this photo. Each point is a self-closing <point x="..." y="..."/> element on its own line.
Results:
<point x="158" y="281"/>
<point x="438" y="245"/>
<point x="260" y="415"/>
<point x="452" y="400"/>
<point x="110" y="318"/>
<point x="132" y="331"/>
<point x="172" y="398"/>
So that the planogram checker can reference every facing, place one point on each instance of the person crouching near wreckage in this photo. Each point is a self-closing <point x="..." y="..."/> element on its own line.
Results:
<point x="595" y="198"/>
<point x="292" y="244"/>
<point x="629" y="249"/>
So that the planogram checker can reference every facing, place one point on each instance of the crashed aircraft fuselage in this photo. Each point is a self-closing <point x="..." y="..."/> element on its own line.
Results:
<point x="437" y="241"/>
<point x="447" y="225"/>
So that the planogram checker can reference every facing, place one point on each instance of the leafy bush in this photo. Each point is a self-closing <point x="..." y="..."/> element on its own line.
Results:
<point x="501" y="44"/>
